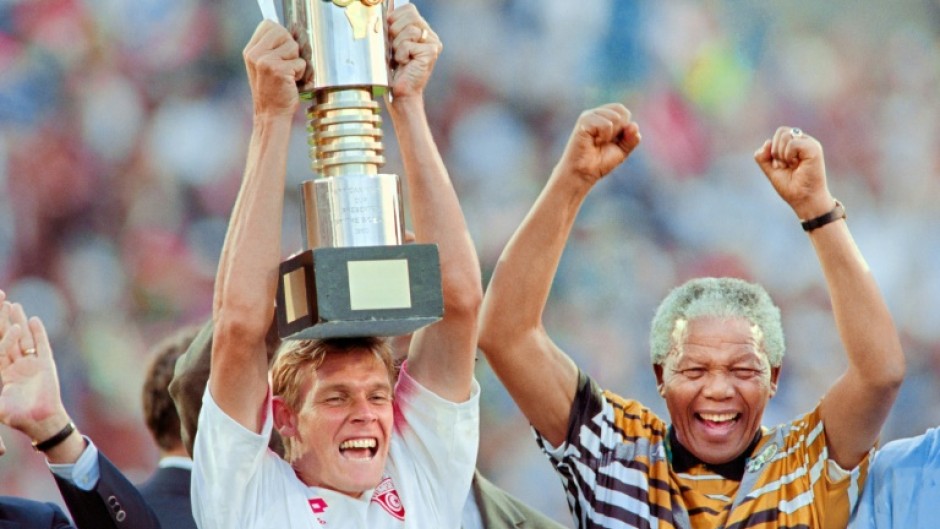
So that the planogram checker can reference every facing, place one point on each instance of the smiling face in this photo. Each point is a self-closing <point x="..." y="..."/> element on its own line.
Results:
<point x="340" y="431"/>
<point x="716" y="384"/>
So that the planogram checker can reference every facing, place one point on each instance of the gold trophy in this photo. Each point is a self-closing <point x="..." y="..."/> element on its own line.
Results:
<point x="355" y="277"/>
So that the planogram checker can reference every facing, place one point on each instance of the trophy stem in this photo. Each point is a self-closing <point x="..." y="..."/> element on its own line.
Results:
<point x="350" y="204"/>
<point x="344" y="133"/>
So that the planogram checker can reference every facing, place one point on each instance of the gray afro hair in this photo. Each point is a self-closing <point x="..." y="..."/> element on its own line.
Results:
<point x="717" y="297"/>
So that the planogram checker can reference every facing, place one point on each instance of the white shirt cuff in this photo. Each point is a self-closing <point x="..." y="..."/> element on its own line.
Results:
<point x="84" y="472"/>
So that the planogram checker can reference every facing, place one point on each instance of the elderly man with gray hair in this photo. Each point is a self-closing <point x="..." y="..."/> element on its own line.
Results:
<point x="717" y="347"/>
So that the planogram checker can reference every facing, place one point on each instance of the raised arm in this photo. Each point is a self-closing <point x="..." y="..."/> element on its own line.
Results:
<point x="856" y="406"/>
<point x="246" y="282"/>
<point x="98" y="496"/>
<point x="441" y="356"/>
<point x="541" y="377"/>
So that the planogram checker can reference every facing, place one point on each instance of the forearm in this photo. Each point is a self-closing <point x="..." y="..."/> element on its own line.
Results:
<point x="450" y="344"/>
<point x="521" y="283"/>
<point x="865" y="325"/>
<point x="435" y="209"/>
<point x="246" y="283"/>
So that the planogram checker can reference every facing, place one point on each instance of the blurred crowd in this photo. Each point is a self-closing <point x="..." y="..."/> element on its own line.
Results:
<point x="122" y="135"/>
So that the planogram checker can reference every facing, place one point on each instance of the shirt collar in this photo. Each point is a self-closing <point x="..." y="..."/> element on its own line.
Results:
<point x="176" y="462"/>
<point x="682" y="460"/>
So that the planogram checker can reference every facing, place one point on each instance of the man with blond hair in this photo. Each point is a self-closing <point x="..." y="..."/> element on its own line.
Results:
<point x="358" y="452"/>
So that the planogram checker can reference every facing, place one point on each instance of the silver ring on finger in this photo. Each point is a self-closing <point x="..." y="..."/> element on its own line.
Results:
<point x="796" y="132"/>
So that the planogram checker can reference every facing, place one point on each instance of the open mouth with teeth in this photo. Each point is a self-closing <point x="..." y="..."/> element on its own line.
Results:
<point x="718" y="420"/>
<point x="361" y="449"/>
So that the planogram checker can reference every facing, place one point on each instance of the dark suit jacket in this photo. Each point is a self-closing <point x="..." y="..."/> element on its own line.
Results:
<point x="500" y="510"/>
<point x="18" y="513"/>
<point x="167" y="492"/>
<point x="113" y="504"/>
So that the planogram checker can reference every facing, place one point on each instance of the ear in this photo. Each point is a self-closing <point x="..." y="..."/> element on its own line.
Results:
<point x="774" y="375"/>
<point x="660" y="386"/>
<point x="285" y="420"/>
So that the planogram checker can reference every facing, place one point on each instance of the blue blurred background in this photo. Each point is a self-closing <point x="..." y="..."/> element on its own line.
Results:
<point x="123" y="128"/>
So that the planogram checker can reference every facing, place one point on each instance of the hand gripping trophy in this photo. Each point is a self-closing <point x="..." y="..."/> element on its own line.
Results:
<point x="354" y="277"/>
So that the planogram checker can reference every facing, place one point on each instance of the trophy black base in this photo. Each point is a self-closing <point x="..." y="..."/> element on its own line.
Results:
<point x="359" y="291"/>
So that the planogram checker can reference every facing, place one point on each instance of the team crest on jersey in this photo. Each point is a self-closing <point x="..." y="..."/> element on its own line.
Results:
<point x="387" y="497"/>
<point x="756" y="463"/>
<point x="318" y="505"/>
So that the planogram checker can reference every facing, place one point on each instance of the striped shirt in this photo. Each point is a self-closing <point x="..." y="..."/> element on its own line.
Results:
<point x="617" y="474"/>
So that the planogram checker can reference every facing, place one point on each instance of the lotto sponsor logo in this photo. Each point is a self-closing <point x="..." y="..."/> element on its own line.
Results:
<point x="318" y="505"/>
<point x="387" y="497"/>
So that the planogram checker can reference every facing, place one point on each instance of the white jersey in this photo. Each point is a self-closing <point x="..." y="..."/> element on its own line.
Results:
<point x="238" y="482"/>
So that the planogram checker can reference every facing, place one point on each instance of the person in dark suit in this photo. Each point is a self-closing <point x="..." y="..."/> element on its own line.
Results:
<point x="495" y="508"/>
<point x="16" y="513"/>
<point x="111" y="502"/>
<point x="97" y="495"/>
<point x="167" y="490"/>
<point x="20" y="513"/>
